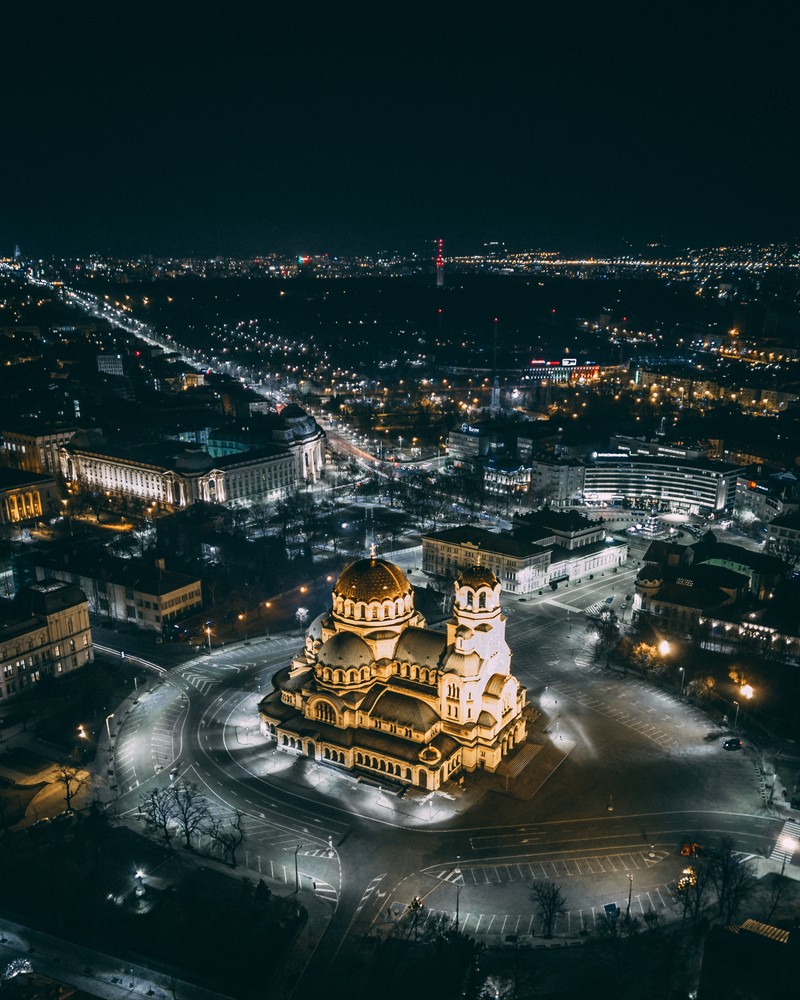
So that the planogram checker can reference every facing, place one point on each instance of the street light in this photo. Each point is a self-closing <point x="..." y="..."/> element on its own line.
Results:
<point x="459" y="886"/>
<point x="630" y="890"/>
<point x="296" y="872"/>
<point x="736" y="718"/>
<point x="664" y="647"/>
<point x="108" y="727"/>
<point x="683" y="678"/>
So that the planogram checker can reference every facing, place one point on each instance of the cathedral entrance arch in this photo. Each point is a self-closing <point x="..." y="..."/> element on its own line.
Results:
<point x="423" y="779"/>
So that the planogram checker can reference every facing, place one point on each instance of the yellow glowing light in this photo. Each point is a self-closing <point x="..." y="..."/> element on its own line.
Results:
<point x="746" y="691"/>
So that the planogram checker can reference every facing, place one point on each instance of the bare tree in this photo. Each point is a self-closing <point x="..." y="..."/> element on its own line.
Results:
<point x="693" y="887"/>
<point x="72" y="779"/>
<point x="157" y="811"/>
<point x="778" y="887"/>
<point x="732" y="876"/>
<point x="550" y="903"/>
<point x="228" y="833"/>
<point x="616" y="933"/>
<point x="190" y="810"/>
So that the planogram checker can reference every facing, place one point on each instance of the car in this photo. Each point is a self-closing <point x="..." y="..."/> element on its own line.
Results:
<point x="691" y="849"/>
<point x="734" y="743"/>
<point x="609" y="600"/>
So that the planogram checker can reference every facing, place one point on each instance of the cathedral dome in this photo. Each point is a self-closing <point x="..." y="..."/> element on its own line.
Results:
<point x="344" y="650"/>
<point x="477" y="576"/>
<point x="372" y="580"/>
<point x="373" y="594"/>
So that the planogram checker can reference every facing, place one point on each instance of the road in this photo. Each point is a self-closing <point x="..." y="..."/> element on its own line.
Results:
<point x="626" y="774"/>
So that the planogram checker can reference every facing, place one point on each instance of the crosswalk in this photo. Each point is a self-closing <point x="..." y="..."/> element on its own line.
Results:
<point x="787" y="843"/>
<point x="595" y="609"/>
<point x="564" y="607"/>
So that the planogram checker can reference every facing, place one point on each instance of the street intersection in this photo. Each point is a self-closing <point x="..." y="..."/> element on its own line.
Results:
<point x="624" y="773"/>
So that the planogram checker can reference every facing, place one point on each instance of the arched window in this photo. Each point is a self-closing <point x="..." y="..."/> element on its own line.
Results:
<point x="482" y="600"/>
<point x="325" y="712"/>
<point x="352" y="677"/>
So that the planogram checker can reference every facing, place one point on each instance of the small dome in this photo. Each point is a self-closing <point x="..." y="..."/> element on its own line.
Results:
<point x="372" y="580"/>
<point x="477" y="576"/>
<point x="194" y="460"/>
<point x="344" y="650"/>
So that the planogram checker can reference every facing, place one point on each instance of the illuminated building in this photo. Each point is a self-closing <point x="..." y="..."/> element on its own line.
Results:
<point x="135" y="591"/>
<point x="34" y="450"/>
<point x="26" y="496"/>
<point x="377" y="692"/>
<point x="696" y="485"/>
<point x="231" y="468"/>
<point x="44" y="632"/>
<point x="561" y="370"/>
<point x="544" y="548"/>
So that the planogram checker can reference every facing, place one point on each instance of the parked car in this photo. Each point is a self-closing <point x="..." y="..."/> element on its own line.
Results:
<point x="734" y="743"/>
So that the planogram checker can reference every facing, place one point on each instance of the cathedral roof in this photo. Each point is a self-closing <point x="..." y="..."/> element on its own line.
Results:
<point x="463" y="664"/>
<point x="496" y="684"/>
<point x="403" y="710"/>
<point x="372" y="580"/>
<point x="420" y="646"/>
<point x="344" y="650"/>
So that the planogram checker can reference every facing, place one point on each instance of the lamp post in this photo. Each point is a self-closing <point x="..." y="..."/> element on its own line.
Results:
<point x="788" y="845"/>
<point x="736" y="717"/>
<point x="296" y="871"/>
<point x="630" y="890"/>
<point x="683" y="678"/>
<point x="415" y="906"/>
<point x="208" y="637"/>
<point x="108" y="727"/>
<point x="459" y="887"/>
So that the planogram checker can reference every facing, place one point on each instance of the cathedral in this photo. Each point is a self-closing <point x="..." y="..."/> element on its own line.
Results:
<point x="378" y="693"/>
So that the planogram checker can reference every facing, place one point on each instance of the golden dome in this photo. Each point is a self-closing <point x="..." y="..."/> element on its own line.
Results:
<point x="477" y="576"/>
<point x="372" y="580"/>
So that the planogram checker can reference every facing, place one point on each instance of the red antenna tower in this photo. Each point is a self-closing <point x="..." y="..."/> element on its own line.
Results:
<point x="439" y="264"/>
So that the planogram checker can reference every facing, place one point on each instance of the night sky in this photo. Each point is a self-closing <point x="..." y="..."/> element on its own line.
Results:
<point x="179" y="128"/>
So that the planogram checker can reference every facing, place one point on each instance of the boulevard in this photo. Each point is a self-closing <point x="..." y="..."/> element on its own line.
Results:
<point x="622" y="774"/>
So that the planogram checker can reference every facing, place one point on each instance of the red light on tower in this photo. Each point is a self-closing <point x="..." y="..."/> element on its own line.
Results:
<point x="439" y="264"/>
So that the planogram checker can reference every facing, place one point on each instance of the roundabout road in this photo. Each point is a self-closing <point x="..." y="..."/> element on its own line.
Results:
<point x="627" y="773"/>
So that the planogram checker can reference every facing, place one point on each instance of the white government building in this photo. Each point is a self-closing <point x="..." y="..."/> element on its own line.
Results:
<point x="230" y="468"/>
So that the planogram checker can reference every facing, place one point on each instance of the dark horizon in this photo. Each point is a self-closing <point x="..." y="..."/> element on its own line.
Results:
<point x="171" y="132"/>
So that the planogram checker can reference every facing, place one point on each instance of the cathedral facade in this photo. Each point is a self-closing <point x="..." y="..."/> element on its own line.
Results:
<point x="376" y="692"/>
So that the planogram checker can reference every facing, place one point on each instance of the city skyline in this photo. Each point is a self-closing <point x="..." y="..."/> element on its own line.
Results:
<point x="342" y="131"/>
